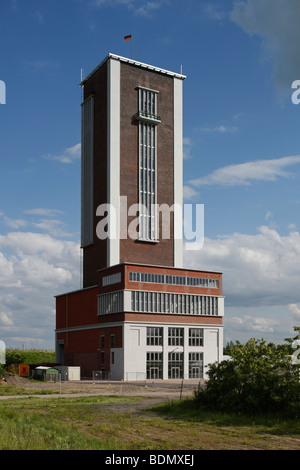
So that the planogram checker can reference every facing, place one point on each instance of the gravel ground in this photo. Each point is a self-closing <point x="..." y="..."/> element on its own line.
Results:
<point x="156" y="391"/>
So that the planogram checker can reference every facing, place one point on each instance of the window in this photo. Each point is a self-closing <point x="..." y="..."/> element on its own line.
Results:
<point x="147" y="164"/>
<point x="196" y="337"/>
<point x="102" y="341"/>
<point x="174" y="280"/>
<point x="175" y="336"/>
<point x="196" y="365"/>
<point x="154" y="365"/>
<point x="175" y="365"/>
<point x="112" y="341"/>
<point x="102" y="357"/>
<point x="111" y="279"/>
<point x="182" y="304"/>
<point x="154" y="336"/>
<point x="112" y="357"/>
<point x="110" y="303"/>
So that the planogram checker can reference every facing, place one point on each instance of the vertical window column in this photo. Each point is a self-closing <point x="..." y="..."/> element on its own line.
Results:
<point x="147" y="164"/>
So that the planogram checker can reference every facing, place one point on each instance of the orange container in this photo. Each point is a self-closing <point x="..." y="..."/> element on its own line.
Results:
<point x="22" y="370"/>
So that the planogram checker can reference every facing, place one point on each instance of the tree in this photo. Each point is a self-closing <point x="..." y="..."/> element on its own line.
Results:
<point x="258" y="378"/>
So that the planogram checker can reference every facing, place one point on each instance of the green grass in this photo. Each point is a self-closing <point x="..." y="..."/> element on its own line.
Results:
<point x="190" y="411"/>
<point x="57" y="424"/>
<point x="15" y="390"/>
<point x="83" y="424"/>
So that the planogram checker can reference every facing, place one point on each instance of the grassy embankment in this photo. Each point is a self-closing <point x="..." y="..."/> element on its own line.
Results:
<point x="84" y="424"/>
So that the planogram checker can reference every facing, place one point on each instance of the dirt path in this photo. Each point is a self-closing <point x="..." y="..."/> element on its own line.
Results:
<point x="151" y="392"/>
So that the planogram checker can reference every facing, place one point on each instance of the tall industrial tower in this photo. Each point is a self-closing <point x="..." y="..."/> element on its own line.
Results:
<point x="140" y="314"/>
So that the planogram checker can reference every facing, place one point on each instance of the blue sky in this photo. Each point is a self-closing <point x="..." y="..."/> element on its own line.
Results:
<point x="241" y="147"/>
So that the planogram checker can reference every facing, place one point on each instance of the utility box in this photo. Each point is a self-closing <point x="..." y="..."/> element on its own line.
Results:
<point x="69" y="373"/>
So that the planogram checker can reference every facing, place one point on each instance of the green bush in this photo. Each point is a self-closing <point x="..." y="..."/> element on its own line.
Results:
<point x="259" y="378"/>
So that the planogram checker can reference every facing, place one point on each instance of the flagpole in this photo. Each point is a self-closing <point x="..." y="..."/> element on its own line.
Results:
<point x="129" y="38"/>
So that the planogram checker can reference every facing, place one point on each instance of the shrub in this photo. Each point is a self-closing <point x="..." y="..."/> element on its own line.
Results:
<point x="258" y="378"/>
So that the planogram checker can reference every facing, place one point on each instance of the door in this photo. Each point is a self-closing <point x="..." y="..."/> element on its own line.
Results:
<point x="154" y="373"/>
<point x="195" y="372"/>
<point x="175" y="372"/>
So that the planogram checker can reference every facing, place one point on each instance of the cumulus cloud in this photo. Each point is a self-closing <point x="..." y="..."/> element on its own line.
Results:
<point x="260" y="281"/>
<point x="259" y="270"/>
<point x="248" y="172"/>
<point x="277" y="23"/>
<point x="34" y="267"/>
<point x="251" y="323"/>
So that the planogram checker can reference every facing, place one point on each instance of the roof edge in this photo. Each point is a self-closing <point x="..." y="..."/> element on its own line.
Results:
<point x="132" y="62"/>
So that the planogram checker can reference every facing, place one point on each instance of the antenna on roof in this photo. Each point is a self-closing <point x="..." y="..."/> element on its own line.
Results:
<point x="181" y="69"/>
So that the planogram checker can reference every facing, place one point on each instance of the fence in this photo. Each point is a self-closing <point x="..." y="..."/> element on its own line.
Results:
<point x="101" y="375"/>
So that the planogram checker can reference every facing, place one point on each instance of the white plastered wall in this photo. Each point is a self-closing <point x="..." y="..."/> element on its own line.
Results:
<point x="113" y="160"/>
<point x="135" y="348"/>
<point x="178" y="174"/>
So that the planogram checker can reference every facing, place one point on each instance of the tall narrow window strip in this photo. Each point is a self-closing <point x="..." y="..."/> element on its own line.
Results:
<point x="147" y="168"/>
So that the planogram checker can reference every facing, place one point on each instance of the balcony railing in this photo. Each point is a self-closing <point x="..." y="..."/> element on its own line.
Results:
<point x="149" y="117"/>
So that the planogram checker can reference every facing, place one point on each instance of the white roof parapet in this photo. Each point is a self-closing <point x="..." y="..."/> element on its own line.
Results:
<point x="132" y="62"/>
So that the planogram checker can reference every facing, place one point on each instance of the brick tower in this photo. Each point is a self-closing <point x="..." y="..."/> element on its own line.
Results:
<point x="140" y="314"/>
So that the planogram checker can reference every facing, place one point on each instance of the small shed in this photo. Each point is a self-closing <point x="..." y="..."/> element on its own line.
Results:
<point x="46" y="373"/>
<point x="51" y="375"/>
<point x="69" y="373"/>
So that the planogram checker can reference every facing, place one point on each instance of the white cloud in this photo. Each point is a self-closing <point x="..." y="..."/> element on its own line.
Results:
<point x="52" y="227"/>
<point x="187" y="147"/>
<point x="220" y="129"/>
<point x="6" y="319"/>
<point x="260" y="282"/>
<point x="33" y="269"/>
<point x="37" y="15"/>
<point x="69" y="155"/>
<point x="138" y="7"/>
<point x="259" y="270"/>
<point x="14" y="223"/>
<point x="43" y="211"/>
<point x="214" y="11"/>
<point x="248" y="172"/>
<point x="251" y="323"/>
<point x="189" y="193"/>
<point x="277" y="23"/>
<point x="295" y="310"/>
